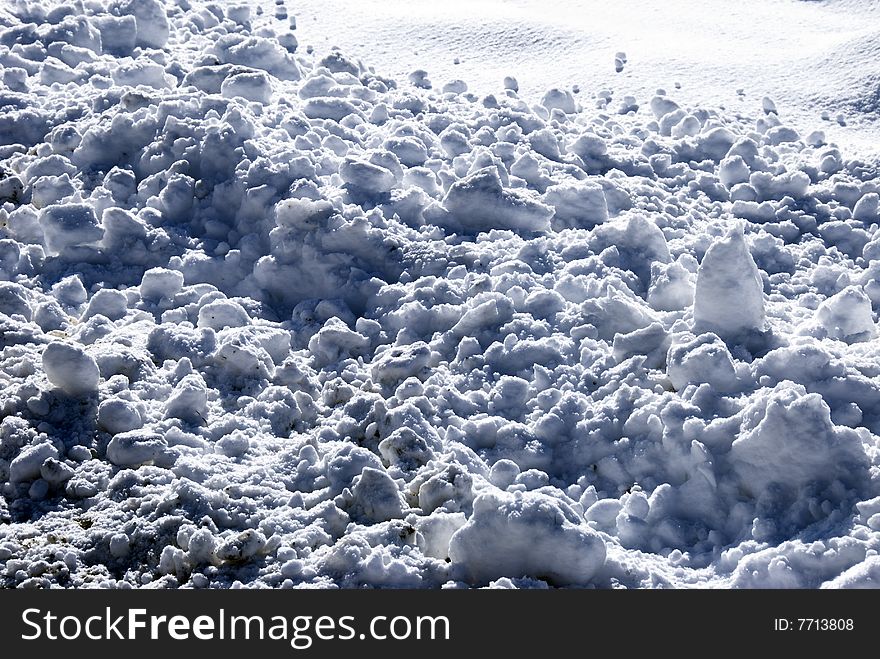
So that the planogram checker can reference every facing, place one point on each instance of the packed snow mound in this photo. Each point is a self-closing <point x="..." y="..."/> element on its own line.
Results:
<point x="269" y="318"/>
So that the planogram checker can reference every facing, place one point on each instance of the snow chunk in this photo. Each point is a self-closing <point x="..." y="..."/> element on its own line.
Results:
<point x="328" y="108"/>
<point x="116" y="415"/>
<point x="729" y="297"/>
<point x="70" y="368"/>
<point x="376" y="497"/>
<point x="480" y="202"/>
<point x="560" y="99"/>
<point x="68" y="225"/>
<point x="150" y="20"/>
<point x="26" y="465"/>
<point x="671" y="288"/>
<point x="258" y="53"/>
<point x="531" y="534"/>
<point x="223" y="313"/>
<point x="788" y="440"/>
<point x="251" y="85"/>
<point x="303" y="214"/>
<point x="135" y="448"/>
<point x="366" y="176"/>
<point x="15" y="299"/>
<point x="158" y="283"/>
<point x="867" y="209"/>
<point x="847" y="316"/>
<point x="704" y="358"/>
<point x="119" y="34"/>
<point x="577" y="204"/>
<point x="335" y="340"/>
<point x="189" y="400"/>
<point x="400" y="362"/>
<point x="107" y="302"/>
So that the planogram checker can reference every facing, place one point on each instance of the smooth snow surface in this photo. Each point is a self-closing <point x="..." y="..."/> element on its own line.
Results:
<point x="807" y="56"/>
<point x="281" y="316"/>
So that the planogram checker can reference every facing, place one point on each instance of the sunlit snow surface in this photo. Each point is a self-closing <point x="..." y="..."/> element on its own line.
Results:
<point x="279" y="315"/>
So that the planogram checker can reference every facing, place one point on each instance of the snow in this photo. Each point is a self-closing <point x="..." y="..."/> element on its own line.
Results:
<point x="70" y="368"/>
<point x="526" y="534"/>
<point x="493" y="295"/>
<point x="729" y="293"/>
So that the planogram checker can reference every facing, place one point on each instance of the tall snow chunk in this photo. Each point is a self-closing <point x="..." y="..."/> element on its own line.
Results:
<point x="150" y="20"/>
<point x="729" y="297"/>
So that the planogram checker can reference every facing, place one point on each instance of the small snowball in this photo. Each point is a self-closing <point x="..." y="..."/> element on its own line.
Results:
<point x="116" y="415"/>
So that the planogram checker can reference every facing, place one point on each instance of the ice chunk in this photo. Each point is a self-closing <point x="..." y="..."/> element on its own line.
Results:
<point x="70" y="368"/>
<point x="729" y="296"/>
<point x="531" y="535"/>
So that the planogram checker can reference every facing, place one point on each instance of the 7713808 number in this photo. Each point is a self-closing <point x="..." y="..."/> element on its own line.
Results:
<point x="825" y="624"/>
<point x="813" y="624"/>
